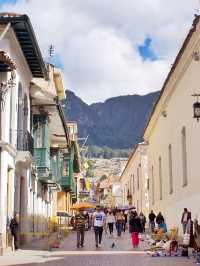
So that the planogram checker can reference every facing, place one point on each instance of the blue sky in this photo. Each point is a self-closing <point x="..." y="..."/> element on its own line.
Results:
<point x="146" y="51"/>
<point x="7" y="1"/>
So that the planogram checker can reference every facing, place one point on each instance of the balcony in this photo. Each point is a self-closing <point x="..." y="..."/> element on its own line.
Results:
<point x="25" y="141"/>
<point x="55" y="166"/>
<point x="42" y="161"/>
<point x="65" y="183"/>
<point x="25" y="145"/>
<point x="66" y="173"/>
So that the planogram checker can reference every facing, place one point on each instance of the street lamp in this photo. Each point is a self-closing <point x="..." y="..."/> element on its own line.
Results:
<point x="196" y="107"/>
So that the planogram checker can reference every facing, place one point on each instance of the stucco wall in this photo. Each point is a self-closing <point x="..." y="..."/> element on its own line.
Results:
<point x="167" y="130"/>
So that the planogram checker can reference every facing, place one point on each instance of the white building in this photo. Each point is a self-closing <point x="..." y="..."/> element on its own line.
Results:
<point x="173" y="137"/>
<point x="134" y="180"/>
<point x="20" y="61"/>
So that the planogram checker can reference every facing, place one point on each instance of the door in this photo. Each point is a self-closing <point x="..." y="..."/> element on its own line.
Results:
<point x="10" y="204"/>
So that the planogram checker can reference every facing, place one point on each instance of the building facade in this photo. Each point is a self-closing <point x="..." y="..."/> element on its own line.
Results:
<point x="173" y="137"/>
<point x="39" y="153"/>
<point x="16" y="142"/>
<point x="134" y="180"/>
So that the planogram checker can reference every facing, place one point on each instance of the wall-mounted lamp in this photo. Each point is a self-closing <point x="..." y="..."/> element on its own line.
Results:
<point x="164" y="113"/>
<point x="196" y="106"/>
<point x="196" y="55"/>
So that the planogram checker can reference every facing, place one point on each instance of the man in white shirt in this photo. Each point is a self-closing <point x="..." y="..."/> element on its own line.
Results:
<point x="98" y="224"/>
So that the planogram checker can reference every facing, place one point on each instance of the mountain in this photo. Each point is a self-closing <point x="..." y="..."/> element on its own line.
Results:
<point x="117" y="123"/>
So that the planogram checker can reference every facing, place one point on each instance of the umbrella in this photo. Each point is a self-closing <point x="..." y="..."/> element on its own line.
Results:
<point x="82" y="205"/>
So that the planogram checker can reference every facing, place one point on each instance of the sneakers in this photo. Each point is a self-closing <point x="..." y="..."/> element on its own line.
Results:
<point x="99" y="245"/>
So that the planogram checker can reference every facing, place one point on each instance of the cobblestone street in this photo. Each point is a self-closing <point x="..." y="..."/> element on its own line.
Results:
<point x="68" y="254"/>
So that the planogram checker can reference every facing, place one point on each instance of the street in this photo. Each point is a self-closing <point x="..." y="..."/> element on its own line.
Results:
<point x="68" y="254"/>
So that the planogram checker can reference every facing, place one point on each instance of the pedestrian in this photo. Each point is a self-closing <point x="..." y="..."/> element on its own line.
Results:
<point x="159" y="219"/>
<point x="119" y="222"/>
<point x="152" y="217"/>
<point x="125" y="220"/>
<point x="186" y="220"/>
<point x="14" y="228"/>
<point x="135" y="228"/>
<point x="99" y="225"/>
<point x="80" y="222"/>
<point x="110" y="221"/>
<point x="143" y="221"/>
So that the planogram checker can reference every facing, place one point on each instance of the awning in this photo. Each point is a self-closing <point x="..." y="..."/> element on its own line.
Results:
<point x="6" y="63"/>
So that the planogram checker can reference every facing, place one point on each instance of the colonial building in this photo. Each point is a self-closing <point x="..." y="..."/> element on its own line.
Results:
<point x="173" y="136"/>
<point x="20" y="61"/>
<point x="39" y="153"/>
<point x="134" y="180"/>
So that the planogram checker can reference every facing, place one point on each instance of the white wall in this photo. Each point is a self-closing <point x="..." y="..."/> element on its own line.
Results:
<point x="167" y="130"/>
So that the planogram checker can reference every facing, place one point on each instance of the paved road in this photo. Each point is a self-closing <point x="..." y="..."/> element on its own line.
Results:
<point x="68" y="254"/>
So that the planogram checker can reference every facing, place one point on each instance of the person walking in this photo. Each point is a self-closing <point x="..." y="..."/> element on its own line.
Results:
<point x="80" y="222"/>
<point x="98" y="224"/>
<point x="152" y="217"/>
<point x="135" y="228"/>
<point x="110" y="220"/>
<point x="186" y="220"/>
<point x="125" y="215"/>
<point x="159" y="219"/>
<point x="143" y="221"/>
<point x="119" y="222"/>
<point x="14" y="228"/>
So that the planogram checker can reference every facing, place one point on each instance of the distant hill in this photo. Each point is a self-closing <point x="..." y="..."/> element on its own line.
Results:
<point x="116" y="123"/>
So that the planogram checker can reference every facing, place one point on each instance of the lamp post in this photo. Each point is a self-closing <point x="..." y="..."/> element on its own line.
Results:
<point x="196" y="107"/>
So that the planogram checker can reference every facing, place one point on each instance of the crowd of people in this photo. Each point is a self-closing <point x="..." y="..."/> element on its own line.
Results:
<point x="109" y="219"/>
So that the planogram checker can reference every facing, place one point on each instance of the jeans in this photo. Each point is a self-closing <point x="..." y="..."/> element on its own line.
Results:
<point x="152" y="225"/>
<point x="184" y="228"/>
<point x="80" y="237"/>
<point x="119" y="226"/>
<point x="15" y="236"/>
<point x="98" y="230"/>
<point x="124" y="226"/>
<point x="110" y="226"/>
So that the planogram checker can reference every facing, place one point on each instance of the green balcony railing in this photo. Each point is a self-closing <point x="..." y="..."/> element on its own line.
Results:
<point x="42" y="161"/>
<point x="67" y="172"/>
<point x="65" y="182"/>
<point x="55" y="169"/>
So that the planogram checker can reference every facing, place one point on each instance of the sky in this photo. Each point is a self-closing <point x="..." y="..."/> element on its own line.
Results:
<point x="108" y="48"/>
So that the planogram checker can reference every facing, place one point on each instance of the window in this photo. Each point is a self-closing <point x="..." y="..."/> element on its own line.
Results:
<point x="160" y="177"/>
<point x="39" y="136"/>
<point x="148" y="184"/>
<point x="133" y="184"/>
<point x="138" y="178"/>
<point x="170" y="169"/>
<point x="152" y="180"/>
<point x="184" y="157"/>
<point x="11" y="116"/>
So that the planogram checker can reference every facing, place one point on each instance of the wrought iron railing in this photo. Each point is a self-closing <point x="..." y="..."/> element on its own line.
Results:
<point x="25" y="141"/>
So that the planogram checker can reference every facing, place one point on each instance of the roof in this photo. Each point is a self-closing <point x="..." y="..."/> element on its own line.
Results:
<point x="27" y="40"/>
<point x="176" y="62"/>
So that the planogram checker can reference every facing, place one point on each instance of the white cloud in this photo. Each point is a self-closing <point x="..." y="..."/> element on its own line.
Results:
<point x="97" y="41"/>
